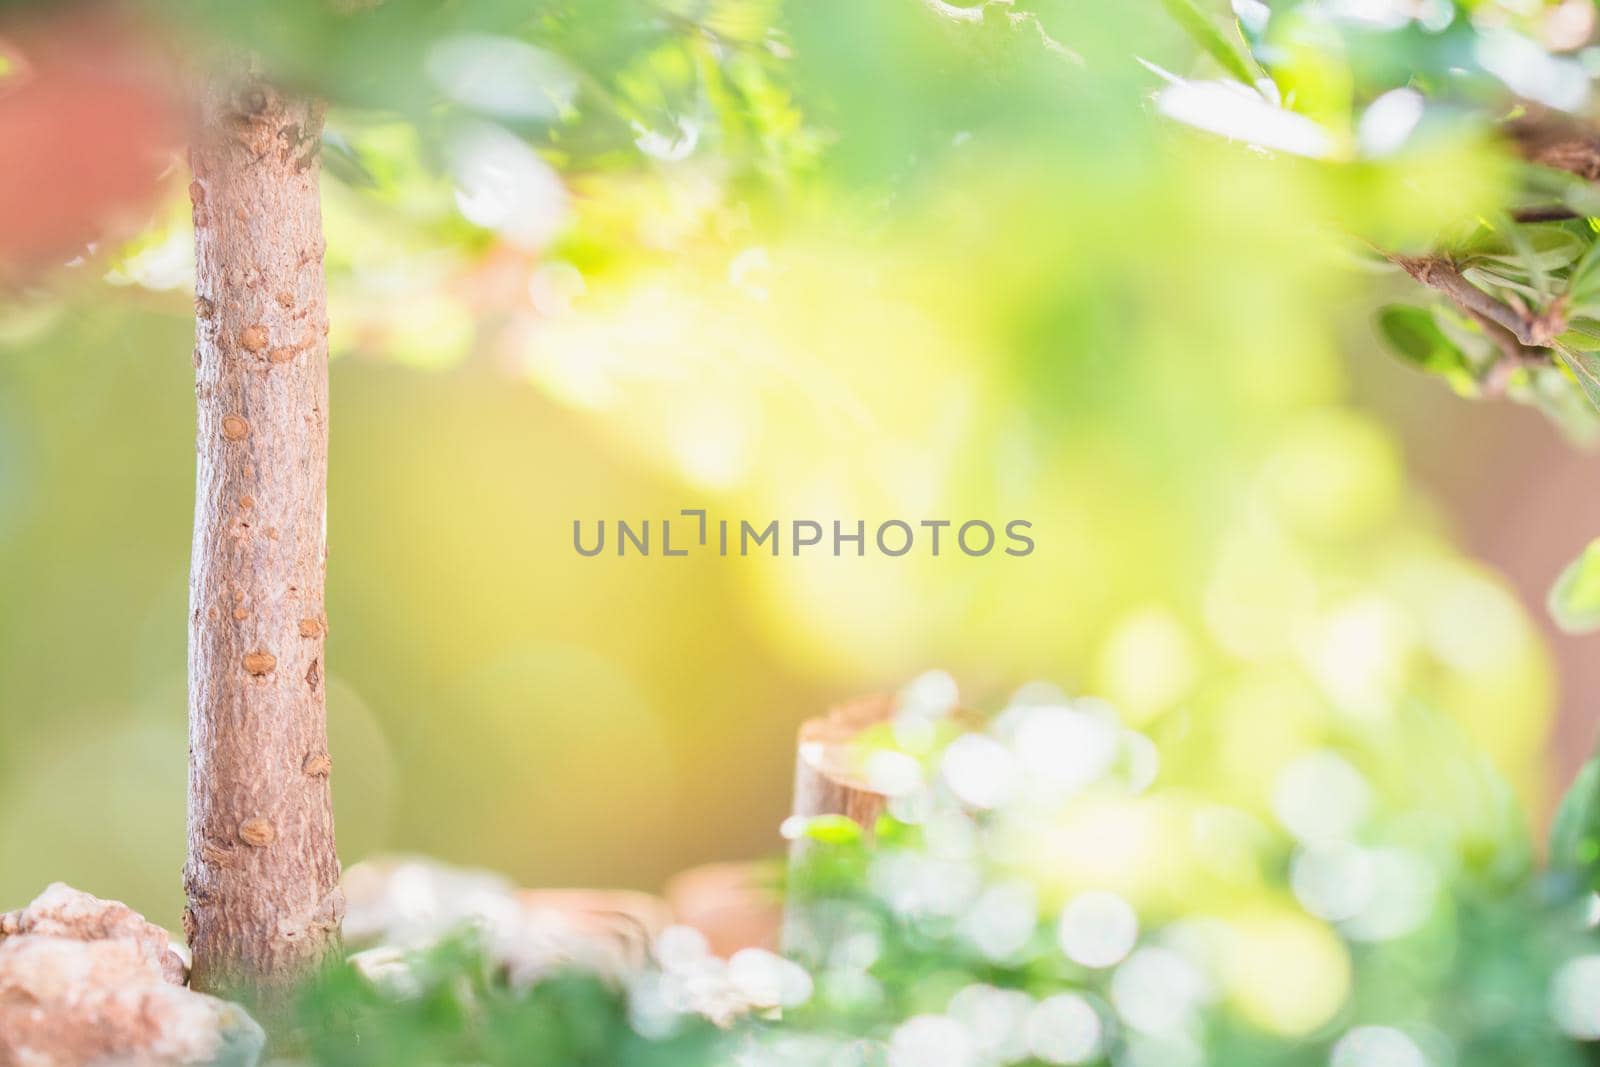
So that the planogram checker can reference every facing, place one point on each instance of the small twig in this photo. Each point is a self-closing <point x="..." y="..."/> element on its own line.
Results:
<point x="1551" y="138"/>
<point x="1522" y="336"/>
<point x="1550" y="213"/>
<point x="1439" y="273"/>
<point x="1530" y="329"/>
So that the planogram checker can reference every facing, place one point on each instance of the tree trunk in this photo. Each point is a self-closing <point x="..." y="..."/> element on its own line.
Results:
<point x="825" y="780"/>
<point x="828" y="782"/>
<point x="262" y="875"/>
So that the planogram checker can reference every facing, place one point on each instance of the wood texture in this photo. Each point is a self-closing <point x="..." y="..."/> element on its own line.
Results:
<point x="825" y="781"/>
<point x="262" y="874"/>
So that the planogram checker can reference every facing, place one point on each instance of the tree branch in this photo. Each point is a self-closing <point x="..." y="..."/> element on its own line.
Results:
<point x="1523" y="337"/>
<point x="1549" y="213"/>
<point x="1554" y="139"/>
<point x="1527" y="328"/>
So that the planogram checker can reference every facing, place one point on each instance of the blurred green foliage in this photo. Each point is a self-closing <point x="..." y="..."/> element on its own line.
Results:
<point x="1359" y="86"/>
<point x="972" y="926"/>
<point x="827" y="260"/>
<point x="1002" y="288"/>
<point x="1283" y="946"/>
<point x="459" y="1010"/>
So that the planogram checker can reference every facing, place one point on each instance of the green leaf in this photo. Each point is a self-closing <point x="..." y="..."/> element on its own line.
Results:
<point x="1417" y="338"/>
<point x="1503" y="279"/>
<point x="1228" y="49"/>
<point x="1575" y="598"/>
<point x="1573" y="191"/>
<point x="1584" y="279"/>
<point x="1575" y="834"/>
<point x="1581" y="336"/>
<point x="1585" y="367"/>
<point x="833" y="829"/>
<point x="1527" y="252"/>
<point x="1538" y="268"/>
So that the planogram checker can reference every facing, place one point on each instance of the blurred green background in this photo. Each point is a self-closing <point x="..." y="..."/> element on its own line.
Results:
<point x="915" y="268"/>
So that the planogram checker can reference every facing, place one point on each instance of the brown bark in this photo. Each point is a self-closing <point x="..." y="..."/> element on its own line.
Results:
<point x="1545" y="138"/>
<point x="1438" y="273"/>
<point x="827" y="781"/>
<point x="1554" y="139"/>
<point x="262" y="875"/>
<point x="1523" y="337"/>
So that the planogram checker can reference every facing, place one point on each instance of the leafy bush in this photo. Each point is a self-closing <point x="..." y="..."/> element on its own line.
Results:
<point x="1034" y="896"/>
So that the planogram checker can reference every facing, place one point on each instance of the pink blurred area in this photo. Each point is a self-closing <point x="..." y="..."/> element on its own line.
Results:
<point x="90" y="122"/>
